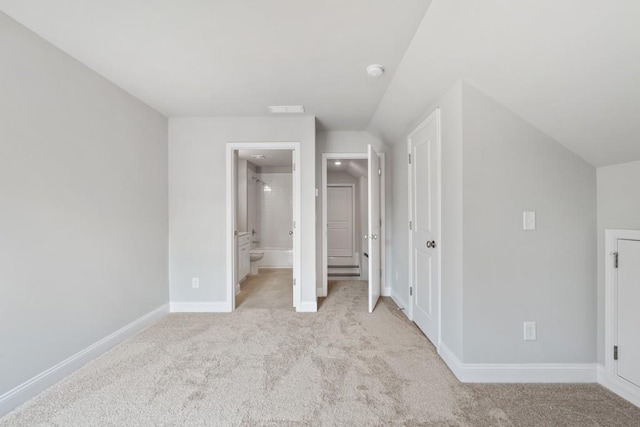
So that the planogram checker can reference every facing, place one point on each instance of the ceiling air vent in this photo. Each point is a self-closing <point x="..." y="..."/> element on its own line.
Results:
<point x="286" y="109"/>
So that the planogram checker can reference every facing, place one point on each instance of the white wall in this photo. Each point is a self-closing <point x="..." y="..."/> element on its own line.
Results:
<point x="510" y="275"/>
<point x="618" y="207"/>
<point x="353" y="142"/>
<point x="494" y="275"/>
<point x="276" y="210"/>
<point x="83" y="206"/>
<point x="450" y="105"/>
<point x="197" y="187"/>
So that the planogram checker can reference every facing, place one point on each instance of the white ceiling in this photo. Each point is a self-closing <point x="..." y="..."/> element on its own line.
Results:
<point x="354" y="167"/>
<point x="569" y="67"/>
<point x="271" y="157"/>
<point x="235" y="57"/>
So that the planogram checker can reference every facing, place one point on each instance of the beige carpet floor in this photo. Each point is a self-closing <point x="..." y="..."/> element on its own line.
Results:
<point x="341" y="366"/>
<point x="271" y="288"/>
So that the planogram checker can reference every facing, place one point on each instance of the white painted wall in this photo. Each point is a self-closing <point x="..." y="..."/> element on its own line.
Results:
<point x="511" y="276"/>
<point x="276" y="210"/>
<point x="83" y="206"/>
<point x="197" y="215"/>
<point x="618" y="207"/>
<point x="352" y="142"/>
<point x="494" y="275"/>
<point x="450" y="105"/>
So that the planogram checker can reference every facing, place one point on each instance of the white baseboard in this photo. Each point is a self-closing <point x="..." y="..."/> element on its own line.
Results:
<point x="519" y="372"/>
<point x="25" y="391"/>
<point x="308" y="307"/>
<point x="200" y="307"/>
<point x="619" y="386"/>
<point x="320" y="293"/>
<point x="386" y="292"/>
<point x="399" y="301"/>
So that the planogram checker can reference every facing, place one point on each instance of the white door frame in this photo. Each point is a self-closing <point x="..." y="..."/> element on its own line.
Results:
<point x="353" y="212"/>
<point x="435" y="115"/>
<point x="231" y="214"/>
<point x="609" y="378"/>
<point x="322" y="291"/>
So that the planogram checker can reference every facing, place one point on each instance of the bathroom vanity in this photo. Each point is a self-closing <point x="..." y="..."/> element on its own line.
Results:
<point x="243" y="247"/>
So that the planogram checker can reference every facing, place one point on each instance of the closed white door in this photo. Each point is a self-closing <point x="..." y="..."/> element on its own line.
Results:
<point x="628" y="315"/>
<point x="340" y="221"/>
<point x="374" y="228"/>
<point x="424" y="147"/>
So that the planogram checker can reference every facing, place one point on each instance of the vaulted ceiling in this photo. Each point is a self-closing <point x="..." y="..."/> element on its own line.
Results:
<point x="569" y="67"/>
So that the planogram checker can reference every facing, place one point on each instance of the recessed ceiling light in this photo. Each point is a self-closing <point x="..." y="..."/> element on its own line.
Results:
<point x="258" y="156"/>
<point x="286" y="109"/>
<point x="375" y="70"/>
<point x="338" y="163"/>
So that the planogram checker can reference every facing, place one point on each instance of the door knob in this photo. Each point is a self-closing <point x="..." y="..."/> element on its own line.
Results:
<point x="374" y="237"/>
<point x="366" y="236"/>
<point x="290" y="232"/>
<point x="431" y="244"/>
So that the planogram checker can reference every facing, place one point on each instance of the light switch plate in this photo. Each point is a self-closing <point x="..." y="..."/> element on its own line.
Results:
<point x="530" y="333"/>
<point x="528" y="220"/>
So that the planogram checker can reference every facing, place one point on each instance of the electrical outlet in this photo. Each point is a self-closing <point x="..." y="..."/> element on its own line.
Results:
<point x="195" y="282"/>
<point x="530" y="331"/>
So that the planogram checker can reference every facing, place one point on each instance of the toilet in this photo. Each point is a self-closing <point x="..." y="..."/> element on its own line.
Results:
<point x="255" y="255"/>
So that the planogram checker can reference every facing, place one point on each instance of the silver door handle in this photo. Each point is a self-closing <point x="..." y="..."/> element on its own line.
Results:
<point x="290" y="232"/>
<point x="366" y="236"/>
<point x="431" y="244"/>
<point x="374" y="237"/>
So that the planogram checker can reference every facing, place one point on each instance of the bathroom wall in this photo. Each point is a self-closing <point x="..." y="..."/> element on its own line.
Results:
<point x="275" y="210"/>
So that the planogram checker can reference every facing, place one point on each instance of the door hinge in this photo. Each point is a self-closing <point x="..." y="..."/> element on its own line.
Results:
<point x="379" y="172"/>
<point x="381" y="273"/>
<point x="409" y="158"/>
<point x="615" y="260"/>
<point x="294" y="282"/>
<point x="410" y="291"/>
<point x="615" y="352"/>
<point x="380" y="222"/>
<point x="294" y="224"/>
<point x="410" y="225"/>
<point x="294" y="167"/>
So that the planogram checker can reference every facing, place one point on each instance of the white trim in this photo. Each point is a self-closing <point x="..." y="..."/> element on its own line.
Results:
<point x="199" y="307"/>
<point x="308" y="307"/>
<point x="434" y="115"/>
<point x="620" y="387"/>
<point x="30" y="388"/>
<point x="518" y="372"/>
<point x="607" y="375"/>
<point x="386" y="292"/>
<point x="400" y="302"/>
<point x="231" y="208"/>
<point x="323" y="289"/>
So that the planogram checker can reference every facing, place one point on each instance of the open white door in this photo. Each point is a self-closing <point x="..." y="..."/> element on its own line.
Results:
<point x="374" y="235"/>
<point x="424" y="216"/>
<point x="295" y="235"/>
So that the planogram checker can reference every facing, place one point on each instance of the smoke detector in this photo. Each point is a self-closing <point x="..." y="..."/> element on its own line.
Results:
<point x="375" y="70"/>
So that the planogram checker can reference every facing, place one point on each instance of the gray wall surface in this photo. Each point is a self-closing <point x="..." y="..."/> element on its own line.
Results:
<point x="510" y="275"/>
<point x="197" y="199"/>
<point x="451" y="245"/>
<point x="83" y="206"/>
<point x="618" y="207"/>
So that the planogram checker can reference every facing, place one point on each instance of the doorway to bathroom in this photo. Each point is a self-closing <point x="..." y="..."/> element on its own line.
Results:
<point x="353" y="213"/>
<point x="263" y="212"/>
